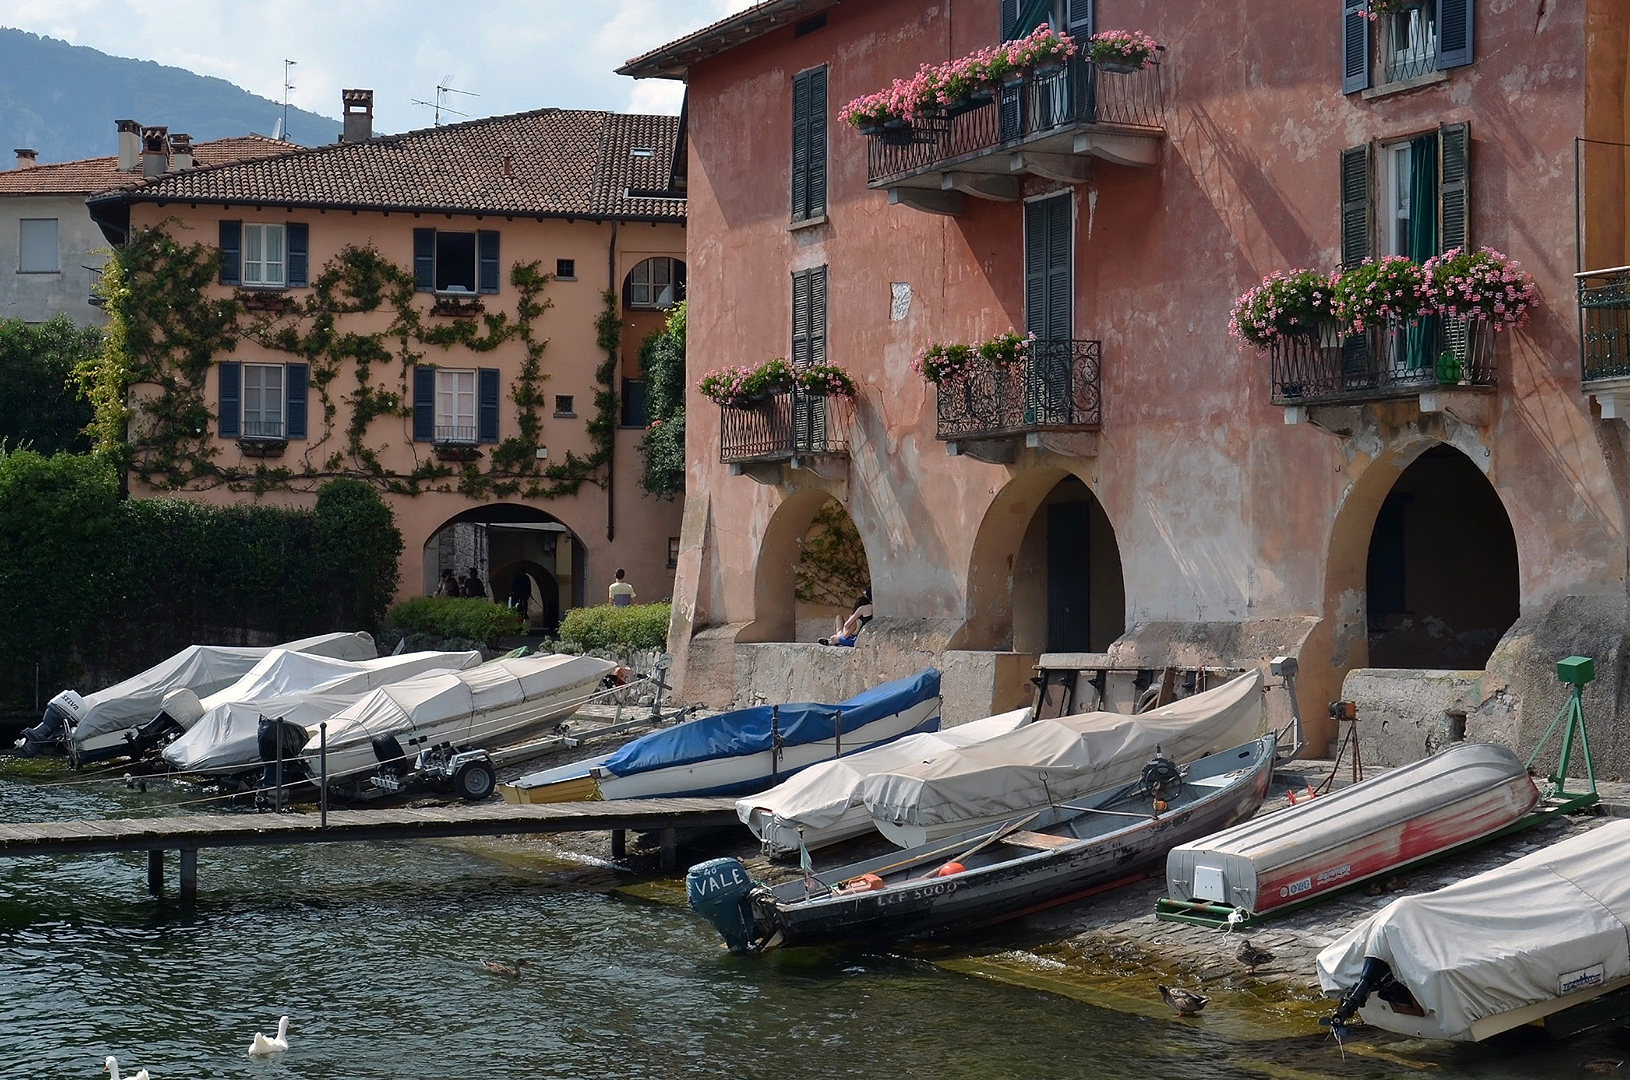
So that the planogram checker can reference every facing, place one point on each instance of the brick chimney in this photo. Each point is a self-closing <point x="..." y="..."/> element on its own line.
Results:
<point x="129" y="145"/>
<point x="26" y="158"/>
<point x="155" y="151"/>
<point x="358" y="111"/>
<point x="180" y="151"/>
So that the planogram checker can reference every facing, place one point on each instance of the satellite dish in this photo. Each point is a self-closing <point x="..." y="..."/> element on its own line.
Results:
<point x="277" y="128"/>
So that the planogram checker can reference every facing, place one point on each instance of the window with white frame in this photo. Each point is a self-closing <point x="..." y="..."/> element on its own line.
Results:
<point x="263" y="401"/>
<point x="37" y="246"/>
<point x="263" y="255"/>
<point x="455" y="406"/>
<point x="656" y="283"/>
<point x="1396" y="176"/>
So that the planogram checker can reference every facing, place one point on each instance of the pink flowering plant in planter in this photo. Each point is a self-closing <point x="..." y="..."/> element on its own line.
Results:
<point x="1005" y="348"/>
<point x="1378" y="9"/>
<point x="1131" y="50"/>
<point x="1483" y="285"/>
<point x="939" y="363"/>
<point x="1288" y="303"/>
<point x="1042" y="47"/>
<point x="1379" y="293"/>
<point x="827" y="380"/>
<point x="739" y="387"/>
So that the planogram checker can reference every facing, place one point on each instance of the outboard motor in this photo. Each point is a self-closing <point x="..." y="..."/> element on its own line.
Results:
<point x="720" y="890"/>
<point x="293" y="738"/>
<point x="61" y="714"/>
<point x="1374" y="975"/>
<point x="181" y="710"/>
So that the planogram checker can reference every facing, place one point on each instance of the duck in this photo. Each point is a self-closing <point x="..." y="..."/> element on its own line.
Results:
<point x="111" y="1067"/>
<point x="1183" y="1002"/>
<point x="260" y="1045"/>
<point x="508" y="971"/>
<point x="1601" y="1066"/>
<point x="1252" y="956"/>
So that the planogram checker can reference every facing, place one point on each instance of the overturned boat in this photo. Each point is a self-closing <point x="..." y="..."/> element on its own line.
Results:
<point x="743" y="749"/>
<point x="219" y="734"/>
<point x="1038" y="859"/>
<point x="822" y="805"/>
<point x="1463" y="794"/>
<point x="1054" y="761"/>
<point x="91" y="727"/>
<point x="1523" y="942"/>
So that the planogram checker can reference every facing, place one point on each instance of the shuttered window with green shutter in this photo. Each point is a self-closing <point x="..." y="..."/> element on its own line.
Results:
<point x="809" y="144"/>
<point x="1048" y="281"/>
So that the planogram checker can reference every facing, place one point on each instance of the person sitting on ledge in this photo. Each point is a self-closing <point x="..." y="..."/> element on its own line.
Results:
<point x="846" y="630"/>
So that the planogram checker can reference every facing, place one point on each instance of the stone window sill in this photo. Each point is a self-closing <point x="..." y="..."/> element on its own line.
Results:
<point x="1431" y="78"/>
<point x="41" y="273"/>
<point x="565" y="416"/>
<point x="263" y="448"/>
<point x="807" y="223"/>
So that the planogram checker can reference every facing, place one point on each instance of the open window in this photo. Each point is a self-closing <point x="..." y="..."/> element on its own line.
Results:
<point x="453" y="263"/>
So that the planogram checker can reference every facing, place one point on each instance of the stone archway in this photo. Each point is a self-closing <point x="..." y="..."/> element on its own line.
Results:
<point x="538" y="585"/>
<point x="499" y="538"/>
<point x="776" y="577"/>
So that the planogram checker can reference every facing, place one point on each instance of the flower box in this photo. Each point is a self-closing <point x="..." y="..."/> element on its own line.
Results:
<point x="1122" y="51"/>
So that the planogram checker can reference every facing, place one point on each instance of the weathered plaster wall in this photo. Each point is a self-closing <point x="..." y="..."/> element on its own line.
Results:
<point x="36" y="297"/>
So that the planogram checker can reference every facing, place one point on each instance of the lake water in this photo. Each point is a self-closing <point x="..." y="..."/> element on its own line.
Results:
<point x="374" y="951"/>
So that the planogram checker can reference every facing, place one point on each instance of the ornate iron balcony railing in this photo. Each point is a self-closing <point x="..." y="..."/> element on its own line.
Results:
<point x="1044" y="103"/>
<point x="1398" y="361"/>
<point x="784" y="426"/>
<point x="1604" y="324"/>
<point x="1056" y="387"/>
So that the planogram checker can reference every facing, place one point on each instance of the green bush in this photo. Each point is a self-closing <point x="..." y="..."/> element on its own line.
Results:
<point x="662" y="359"/>
<point x="39" y="409"/>
<point x="637" y="626"/>
<point x="456" y="617"/>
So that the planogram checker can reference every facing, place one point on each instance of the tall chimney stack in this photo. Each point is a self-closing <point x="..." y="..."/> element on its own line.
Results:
<point x="358" y="110"/>
<point x="180" y="151"/>
<point x="129" y="146"/>
<point x="26" y="158"/>
<point x="155" y="151"/>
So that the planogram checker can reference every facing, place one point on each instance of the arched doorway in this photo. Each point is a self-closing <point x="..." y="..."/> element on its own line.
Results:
<point x="503" y="540"/>
<point x="811" y="565"/>
<point x="1441" y="585"/>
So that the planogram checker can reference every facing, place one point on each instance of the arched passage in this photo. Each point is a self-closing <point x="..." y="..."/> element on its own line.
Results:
<point x="811" y="564"/>
<point x="501" y="540"/>
<point x="1045" y="575"/>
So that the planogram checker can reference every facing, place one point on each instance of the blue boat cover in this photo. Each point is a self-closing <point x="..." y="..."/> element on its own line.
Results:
<point x="747" y="731"/>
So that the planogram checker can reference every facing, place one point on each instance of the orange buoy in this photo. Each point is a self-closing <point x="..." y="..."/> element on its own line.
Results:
<point x="950" y="868"/>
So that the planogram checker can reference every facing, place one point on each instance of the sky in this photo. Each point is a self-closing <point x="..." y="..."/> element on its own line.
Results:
<point x="507" y="55"/>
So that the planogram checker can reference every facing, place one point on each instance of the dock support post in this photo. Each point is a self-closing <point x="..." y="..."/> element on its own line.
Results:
<point x="619" y="843"/>
<point x="670" y="848"/>
<point x="189" y="875"/>
<point x="155" y="871"/>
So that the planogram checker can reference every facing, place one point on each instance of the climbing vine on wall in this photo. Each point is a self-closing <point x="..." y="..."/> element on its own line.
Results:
<point x="361" y="333"/>
<point x="832" y="568"/>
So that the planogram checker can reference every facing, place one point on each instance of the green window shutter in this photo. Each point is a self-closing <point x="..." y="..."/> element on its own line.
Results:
<point x="228" y="403"/>
<point x="1454" y="33"/>
<point x="424" y="402"/>
<point x="1010" y="19"/>
<point x="1355" y="205"/>
<point x="231" y="247"/>
<point x="1032" y="13"/>
<point x="297" y="246"/>
<point x="1355" y="46"/>
<point x="424" y="261"/>
<point x="817" y="315"/>
<point x="298" y="379"/>
<point x="487" y="256"/>
<point x="1035" y="268"/>
<point x="800" y="318"/>
<point x="1048" y="280"/>
<point x="1078" y="19"/>
<point x="1454" y="192"/>
<point x="817" y="143"/>
<point x="486" y="405"/>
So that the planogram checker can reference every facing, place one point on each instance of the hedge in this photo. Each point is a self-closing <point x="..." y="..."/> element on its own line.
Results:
<point x="637" y="626"/>
<point x="453" y="617"/>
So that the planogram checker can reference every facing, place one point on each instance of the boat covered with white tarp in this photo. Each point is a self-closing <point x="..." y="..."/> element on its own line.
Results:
<point x="1541" y="934"/>
<point x="483" y="707"/>
<point x="94" y="725"/>
<point x="822" y="804"/>
<point x="221" y="730"/>
<point x="1050" y="762"/>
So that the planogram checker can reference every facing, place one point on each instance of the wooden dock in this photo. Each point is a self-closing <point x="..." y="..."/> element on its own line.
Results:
<point x="187" y="834"/>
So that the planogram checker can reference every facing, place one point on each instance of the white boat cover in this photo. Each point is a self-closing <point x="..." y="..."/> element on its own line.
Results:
<point x="203" y="669"/>
<point x="1058" y="760"/>
<point x="1551" y="925"/>
<point x="824" y="800"/>
<point x="288" y="686"/>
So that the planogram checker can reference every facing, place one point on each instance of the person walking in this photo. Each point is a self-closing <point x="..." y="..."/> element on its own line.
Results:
<point x="520" y="593"/>
<point x="621" y="593"/>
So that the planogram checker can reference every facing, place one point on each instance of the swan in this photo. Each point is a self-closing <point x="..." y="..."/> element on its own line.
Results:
<point x="261" y="1045"/>
<point x="111" y="1067"/>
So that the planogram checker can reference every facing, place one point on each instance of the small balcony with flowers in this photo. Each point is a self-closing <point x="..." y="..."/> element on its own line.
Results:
<point x="777" y="415"/>
<point x="1042" y="105"/>
<point x="1387" y="329"/>
<point x="996" y="396"/>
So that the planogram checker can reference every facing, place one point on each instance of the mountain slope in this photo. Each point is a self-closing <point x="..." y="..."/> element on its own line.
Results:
<point x="63" y="99"/>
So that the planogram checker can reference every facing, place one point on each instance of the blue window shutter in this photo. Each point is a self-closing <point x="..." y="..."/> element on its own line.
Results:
<point x="297" y="240"/>
<point x="424" y="261"/>
<point x="487" y="256"/>
<point x="297" y="376"/>
<point x="1355" y="46"/>
<point x="1010" y="19"/>
<point x="1078" y="19"/>
<point x="228" y="406"/>
<point x="231" y="246"/>
<point x="424" y="401"/>
<point x="486" y="405"/>
<point x="1454" y="33"/>
<point x="1355" y="205"/>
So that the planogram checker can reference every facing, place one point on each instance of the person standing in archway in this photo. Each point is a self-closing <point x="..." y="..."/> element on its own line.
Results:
<point x="520" y="593"/>
<point x="448" y="586"/>
<point x="621" y="593"/>
<point x="473" y="585"/>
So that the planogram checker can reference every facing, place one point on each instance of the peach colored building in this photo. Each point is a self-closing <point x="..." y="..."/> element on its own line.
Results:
<point x="428" y="312"/>
<point x="1142" y="490"/>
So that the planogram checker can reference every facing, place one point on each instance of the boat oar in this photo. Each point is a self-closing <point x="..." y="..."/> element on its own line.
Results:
<point x="1010" y="827"/>
<point x="926" y="855"/>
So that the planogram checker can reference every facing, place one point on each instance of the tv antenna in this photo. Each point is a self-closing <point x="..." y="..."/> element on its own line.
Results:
<point x="439" y="108"/>
<point x="287" y="86"/>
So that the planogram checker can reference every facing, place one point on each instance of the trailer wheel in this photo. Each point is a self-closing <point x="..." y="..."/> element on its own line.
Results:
<point x="474" y="780"/>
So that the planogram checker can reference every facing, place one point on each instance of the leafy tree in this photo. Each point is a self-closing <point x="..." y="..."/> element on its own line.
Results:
<point x="832" y="569"/>
<point x="358" y="547"/>
<point x="39" y="408"/>
<point x="662" y="358"/>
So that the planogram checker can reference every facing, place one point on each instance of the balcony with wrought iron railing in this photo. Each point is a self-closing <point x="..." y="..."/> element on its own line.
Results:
<point x="1054" y="388"/>
<point x="784" y="428"/>
<point x="1427" y="359"/>
<point x="1050" y="124"/>
<point x="1604" y="338"/>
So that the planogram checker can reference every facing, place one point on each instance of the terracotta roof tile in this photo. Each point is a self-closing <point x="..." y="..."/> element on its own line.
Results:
<point x="93" y="175"/>
<point x="556" y="162"/>
<point x="671" y="61"/>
